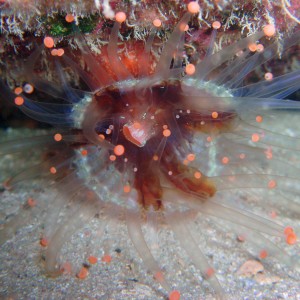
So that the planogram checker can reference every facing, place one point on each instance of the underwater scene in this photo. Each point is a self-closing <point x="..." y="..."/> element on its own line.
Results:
<point x="149" y="149"/>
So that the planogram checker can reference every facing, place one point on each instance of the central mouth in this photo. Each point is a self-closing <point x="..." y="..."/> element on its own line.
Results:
<point x="138" y="132"/>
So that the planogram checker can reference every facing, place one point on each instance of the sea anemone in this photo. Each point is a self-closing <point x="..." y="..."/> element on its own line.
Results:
<point x="164" y="140"/>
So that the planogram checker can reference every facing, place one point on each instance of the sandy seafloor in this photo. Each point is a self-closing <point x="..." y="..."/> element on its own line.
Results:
<point x="22" y="274"/>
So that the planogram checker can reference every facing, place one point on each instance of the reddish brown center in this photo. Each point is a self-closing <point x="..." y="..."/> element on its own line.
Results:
<point x="139" y="124"/>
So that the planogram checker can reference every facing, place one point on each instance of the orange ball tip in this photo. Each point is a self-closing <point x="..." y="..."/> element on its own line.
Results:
<point x="269" y="30"/>
<point x="19" y="100"/>
<point x="190" y="69"/>
<point x="60" y="52"/>
<point x="214" y="114"/>
<point x="263" y="254"/>
<point x="48" y="42"/>
<point x="106" y="258"/>
<point x="57" y="137"/>
<point x="193" y="7"/>
<point x="156" y="23"/>
<point x="268" y="76"/>
<point x="216" y="25"/>
<point x="166" y="133"/>
<point x="119" y="150"/>
<point x="18" y="90"/>
<point x="83" y="273"/>
<point x="92" y="259"/>
<point x="69" y="18"/>
<point x="291" y="238"/>
<point x="120" y="17"/>
<point x="174" y="295"/>
<point x="44" y="242"/>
